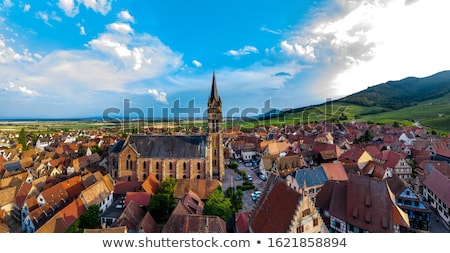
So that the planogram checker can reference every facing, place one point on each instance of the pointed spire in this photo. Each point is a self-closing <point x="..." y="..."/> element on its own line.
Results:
<point x="214" y="94"/>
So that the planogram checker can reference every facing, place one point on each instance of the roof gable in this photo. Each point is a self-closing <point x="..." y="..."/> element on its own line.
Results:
<point x="275" y="210"/>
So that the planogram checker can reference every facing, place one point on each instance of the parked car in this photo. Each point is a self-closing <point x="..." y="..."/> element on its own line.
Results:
<point x="255" y="195"/>
<point x="263" y="177"/>
<point x="239" y="178"/>
<point x="249" y="177"/>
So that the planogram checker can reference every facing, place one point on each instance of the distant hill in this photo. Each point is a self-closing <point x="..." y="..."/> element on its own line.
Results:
<point x="403" y="93"/>
<point x="423" y="100"/>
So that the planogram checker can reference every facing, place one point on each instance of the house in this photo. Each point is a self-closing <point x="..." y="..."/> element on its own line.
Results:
<point x="190" y="204"/>
<point x="282" y="209"/>
<point x="100" y="193"/>
<point x="418" y="213"/>
<point x="396" y="162"/>
<point x="355" y="155"/>
<point x="288" y="164"/>
<point x="241" y="222"/>
<point x="202" y="187"/>
<point x="325" y="152"/>
<point x="141" y="198"/>
<point x="335" y="171"/>
<point x="63" y="219"/>
<point x="195" y="223"/>
<point x="122" y="229"/>
<point x="150" y="184"/>
<point x="308" y="179"/>
<point x="361" y="204"/>
<point x="376" y="170"/>
<point x="436" y="188"/>
<point x="136" y="219"/>
<point x="39" y="209"/>
<point x="440" y="151"/>
<point x="277" y="148"/>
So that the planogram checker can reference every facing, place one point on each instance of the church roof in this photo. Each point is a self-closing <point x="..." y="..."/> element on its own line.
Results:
<point x="169" y="146"/>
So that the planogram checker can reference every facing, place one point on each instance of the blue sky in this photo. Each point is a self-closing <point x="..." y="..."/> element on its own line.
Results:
<point x="80" y="58"/>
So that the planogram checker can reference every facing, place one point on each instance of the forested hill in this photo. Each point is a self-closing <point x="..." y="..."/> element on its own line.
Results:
<point x="403" y="93"/>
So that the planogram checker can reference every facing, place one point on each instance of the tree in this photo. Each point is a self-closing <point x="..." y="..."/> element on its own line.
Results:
<point x="90" y="219"/>
<point x="168" y="186"/>
<point x="162" y="203"/>
<point x="23" y="139"/>
<point x="218" y="205"/>
<point x="161" y="206"/>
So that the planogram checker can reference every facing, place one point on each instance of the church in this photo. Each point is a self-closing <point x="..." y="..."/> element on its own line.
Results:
<point x="177" y="156"/>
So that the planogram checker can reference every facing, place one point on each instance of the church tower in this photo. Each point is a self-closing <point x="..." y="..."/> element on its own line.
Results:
<point x="215" y="137"/>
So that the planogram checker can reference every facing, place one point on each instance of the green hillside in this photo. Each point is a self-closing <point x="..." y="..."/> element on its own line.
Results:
<point x="424" y="100"/>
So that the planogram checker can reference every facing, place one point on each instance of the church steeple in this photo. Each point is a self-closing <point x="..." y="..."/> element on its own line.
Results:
<point x="214" y="108"/>
<point x="214" y="94"/>
<point x="215" y="138"/>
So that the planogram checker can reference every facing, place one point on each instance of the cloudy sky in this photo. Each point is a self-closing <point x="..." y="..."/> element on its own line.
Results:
<point x="82" y="58"/>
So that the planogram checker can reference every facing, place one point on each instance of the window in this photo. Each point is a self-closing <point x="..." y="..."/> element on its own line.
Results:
<point x="306" y="212"/>
<point x="145" y="165"/>
<point x="316" y="222"/>
<point x="170" y="165"/>
<point x="157" y="165"/>
<point x="184" y="165"/>
<point x="198" y="165"/>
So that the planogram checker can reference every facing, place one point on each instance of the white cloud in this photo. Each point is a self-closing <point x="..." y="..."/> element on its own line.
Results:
<point x="120" y="27"/>
<point x="11" y="87"/>
<point x="306" y="51"/>
<point x="372" y="41"/>
<point x="26" y="7"/>
<point x="9" y="55"/>
<point x="265" y="29"/>
<point x="243" y="51"/>
<point x="47" y="17"/>
<point x="159" y="96"/>
<point x="69" y="7"/>
<point x="102" y="6"/>
<point x="125" y="16"/>
<point x="82" y="30"/>
<point x="197" y="63"/>
<point x="7" y="3"/>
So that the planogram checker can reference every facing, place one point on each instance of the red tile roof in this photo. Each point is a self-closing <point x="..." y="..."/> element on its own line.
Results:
<point x="439" y="184"/>
<point x="122" y="187"/>
<point x="242" y="222"/>
<point x="150" y="184"/>
<point x="202" y="187"/>
<point x="441" y="149"/>
<point x="141" y="198"/>
<point x="193" y="223"/>
<point x="275" y="209"/>
<point x="21" y="196"/>
<point x="368" y="203"/>
<point x="335" y="171"/>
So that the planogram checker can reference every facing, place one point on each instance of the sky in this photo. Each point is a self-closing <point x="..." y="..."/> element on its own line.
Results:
<point x="89" y="58"/>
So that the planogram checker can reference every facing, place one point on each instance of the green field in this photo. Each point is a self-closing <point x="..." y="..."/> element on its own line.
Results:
<point x="432" y="114"/>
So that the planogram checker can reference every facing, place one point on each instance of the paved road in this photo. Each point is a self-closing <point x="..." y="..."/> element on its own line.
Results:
<point x="230" y="181"/>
